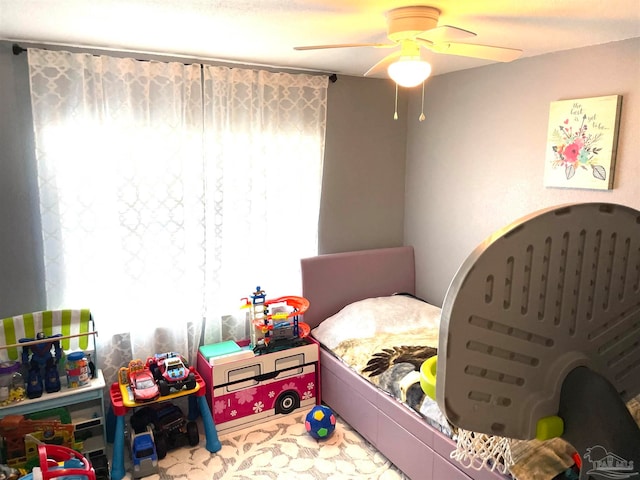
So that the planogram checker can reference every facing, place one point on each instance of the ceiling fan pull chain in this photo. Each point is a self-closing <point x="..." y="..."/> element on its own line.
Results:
<point x="422" y="117"/>
<point x="395" y="113"/>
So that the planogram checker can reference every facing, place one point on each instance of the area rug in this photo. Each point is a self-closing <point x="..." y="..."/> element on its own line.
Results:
<point x="281" y="449"/>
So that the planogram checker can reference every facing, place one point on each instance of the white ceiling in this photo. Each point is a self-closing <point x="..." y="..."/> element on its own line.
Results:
<point x="264" y="32"/>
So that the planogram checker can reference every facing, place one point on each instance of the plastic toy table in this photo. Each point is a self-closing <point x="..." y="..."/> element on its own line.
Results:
<point x="121" y="402"/>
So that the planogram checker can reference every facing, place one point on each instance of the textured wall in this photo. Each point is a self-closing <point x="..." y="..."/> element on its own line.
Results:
<point x="476" y="164"/>
<point x="363" y="187"/>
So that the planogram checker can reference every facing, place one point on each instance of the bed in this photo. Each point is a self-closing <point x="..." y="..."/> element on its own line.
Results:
<point x="593" y="343"/>
<point x="411" y="436"/>
<point x="331" y="282"/>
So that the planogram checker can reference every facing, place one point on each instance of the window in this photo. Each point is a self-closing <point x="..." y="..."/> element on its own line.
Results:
<point x="169" y="191"/>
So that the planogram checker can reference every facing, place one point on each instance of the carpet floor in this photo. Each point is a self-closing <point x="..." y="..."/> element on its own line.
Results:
<point x="280" y="449"/>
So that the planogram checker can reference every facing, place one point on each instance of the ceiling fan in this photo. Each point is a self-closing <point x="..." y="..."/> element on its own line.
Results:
<point x="417" y="26"/>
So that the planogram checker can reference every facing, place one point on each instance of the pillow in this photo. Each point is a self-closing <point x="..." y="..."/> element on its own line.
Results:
<point x="371" y="316"/>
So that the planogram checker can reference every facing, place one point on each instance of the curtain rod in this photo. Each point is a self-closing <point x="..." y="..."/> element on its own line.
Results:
<point x="17" y="50"/>
<point x="47" y="340"/>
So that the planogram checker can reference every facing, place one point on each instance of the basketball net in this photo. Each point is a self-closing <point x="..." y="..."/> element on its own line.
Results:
<point x="477" y="451"/>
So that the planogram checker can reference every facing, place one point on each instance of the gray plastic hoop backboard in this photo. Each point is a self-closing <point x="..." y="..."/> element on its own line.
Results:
<point x="553" y="291"/>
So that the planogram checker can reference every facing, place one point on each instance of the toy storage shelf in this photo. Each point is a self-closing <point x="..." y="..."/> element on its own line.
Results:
<point x="84" y="404"/>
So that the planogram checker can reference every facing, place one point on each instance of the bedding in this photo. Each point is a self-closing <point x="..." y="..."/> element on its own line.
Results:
<point x="386" y="340"/>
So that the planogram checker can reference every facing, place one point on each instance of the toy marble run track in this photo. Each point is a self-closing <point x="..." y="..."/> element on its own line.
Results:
<point x="278" y="323"/>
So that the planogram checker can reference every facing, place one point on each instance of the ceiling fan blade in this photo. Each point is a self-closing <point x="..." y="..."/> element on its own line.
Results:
<point x="345" y="45"/>
<point x="445" y="33"/>
<point x="487" y="52"/>
<point x="383" y="64"/>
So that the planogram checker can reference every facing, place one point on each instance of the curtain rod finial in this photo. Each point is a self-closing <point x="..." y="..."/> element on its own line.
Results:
<point x="17" y="49"/>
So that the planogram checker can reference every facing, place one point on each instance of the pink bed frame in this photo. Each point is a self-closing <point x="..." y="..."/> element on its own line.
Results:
<point x="333" y="281"/>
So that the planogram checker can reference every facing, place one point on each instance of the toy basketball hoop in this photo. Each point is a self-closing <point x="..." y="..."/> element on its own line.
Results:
<point x="479" y="450"/>
<point x="540" y="331"/>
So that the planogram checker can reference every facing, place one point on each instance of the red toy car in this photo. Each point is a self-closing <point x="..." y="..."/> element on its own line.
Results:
<point x="171" y="372"/>
<point x="143" y="384"/>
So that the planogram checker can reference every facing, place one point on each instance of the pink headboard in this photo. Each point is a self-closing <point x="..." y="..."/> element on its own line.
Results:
<point x="335" y="280"/>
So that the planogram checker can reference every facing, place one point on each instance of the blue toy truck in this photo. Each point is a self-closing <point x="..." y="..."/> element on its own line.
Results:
<point x="144" y="456"/>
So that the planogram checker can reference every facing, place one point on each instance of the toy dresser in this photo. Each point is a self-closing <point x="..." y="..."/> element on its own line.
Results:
<point x="248" y="391"/>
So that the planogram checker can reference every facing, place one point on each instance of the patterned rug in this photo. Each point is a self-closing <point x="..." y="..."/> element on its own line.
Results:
<point x="281" y="449"/>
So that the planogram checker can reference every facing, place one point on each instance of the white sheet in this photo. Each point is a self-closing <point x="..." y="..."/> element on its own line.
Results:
<point x="372" y="316"/>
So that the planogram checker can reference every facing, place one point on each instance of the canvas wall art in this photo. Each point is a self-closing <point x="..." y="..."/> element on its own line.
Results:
<point x="581" y="142"/>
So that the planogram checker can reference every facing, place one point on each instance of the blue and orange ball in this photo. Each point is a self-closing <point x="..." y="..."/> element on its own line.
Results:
<point x="320" y="422"/>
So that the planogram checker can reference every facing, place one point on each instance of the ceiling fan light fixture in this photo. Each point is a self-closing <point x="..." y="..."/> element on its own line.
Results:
<point x="409" y="71"/>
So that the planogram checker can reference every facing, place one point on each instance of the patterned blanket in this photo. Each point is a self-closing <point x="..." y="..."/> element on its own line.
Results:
<point x="392" y="363"/>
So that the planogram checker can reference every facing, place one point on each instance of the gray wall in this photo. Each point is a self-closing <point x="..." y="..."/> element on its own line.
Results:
<point x="363" y="186"/>
<point x="476" y="164"/>
<point x="364" y="169"/>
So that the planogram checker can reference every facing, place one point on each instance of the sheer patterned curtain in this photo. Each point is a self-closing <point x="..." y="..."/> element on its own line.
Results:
<point x="264" y="142"/>
<point x="143" y="213"/>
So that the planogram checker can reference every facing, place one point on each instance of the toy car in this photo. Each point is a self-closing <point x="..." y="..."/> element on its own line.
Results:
<point x="171" y="372"/>
<point x="170" y="427"/>
<point x="144" y="455"/>
<point x="143" y="386"/>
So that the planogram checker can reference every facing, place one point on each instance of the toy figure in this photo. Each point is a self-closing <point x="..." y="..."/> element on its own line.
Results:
<point x="42" y="362"/>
